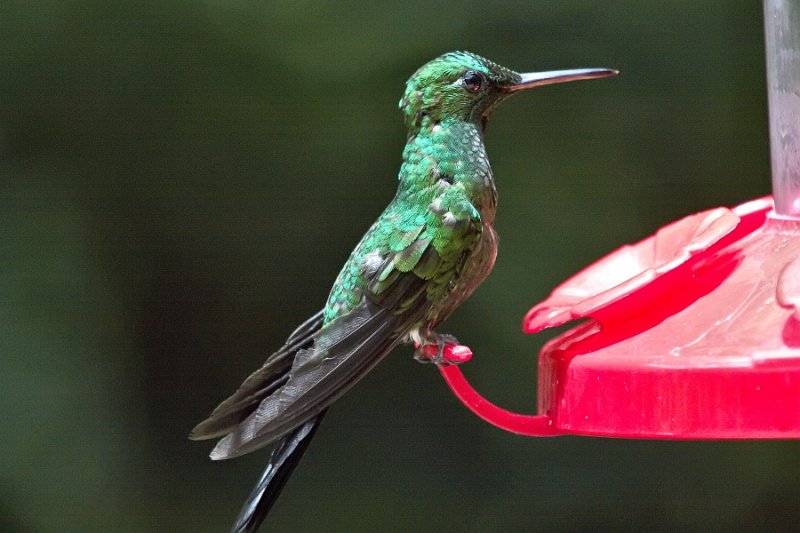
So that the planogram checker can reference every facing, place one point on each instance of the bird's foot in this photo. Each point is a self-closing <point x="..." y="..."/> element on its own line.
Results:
<point x="441" y="349"/>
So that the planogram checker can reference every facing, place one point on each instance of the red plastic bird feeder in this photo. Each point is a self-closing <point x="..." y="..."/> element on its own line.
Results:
<point x="694" y="332"/>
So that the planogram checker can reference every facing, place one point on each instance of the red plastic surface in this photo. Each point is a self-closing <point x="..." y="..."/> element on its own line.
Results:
<point x="452" y="354"/>
<point x="693" y="333"/>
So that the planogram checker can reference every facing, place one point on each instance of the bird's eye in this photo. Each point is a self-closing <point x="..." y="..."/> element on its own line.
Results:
<point x="473" y="81"/>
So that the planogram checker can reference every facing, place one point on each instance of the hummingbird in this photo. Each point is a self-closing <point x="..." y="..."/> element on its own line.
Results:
<point x="428" y="251"/>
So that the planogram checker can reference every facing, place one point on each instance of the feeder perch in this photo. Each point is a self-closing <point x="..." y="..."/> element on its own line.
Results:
<point x="694" y="332"/>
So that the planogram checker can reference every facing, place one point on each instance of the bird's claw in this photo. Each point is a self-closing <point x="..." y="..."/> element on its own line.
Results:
<point x="445" y="351"/>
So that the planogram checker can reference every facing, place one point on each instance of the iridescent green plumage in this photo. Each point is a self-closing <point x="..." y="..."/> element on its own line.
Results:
<point x="415" y="255"/>
<point x="427" y="252"/>
<point x="433" y="232"/>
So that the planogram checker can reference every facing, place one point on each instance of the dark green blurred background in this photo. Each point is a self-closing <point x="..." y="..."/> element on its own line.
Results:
<point x="180" y="183"/>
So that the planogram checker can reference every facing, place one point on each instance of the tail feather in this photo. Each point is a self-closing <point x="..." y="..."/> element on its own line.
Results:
<point x="285" y="457"/>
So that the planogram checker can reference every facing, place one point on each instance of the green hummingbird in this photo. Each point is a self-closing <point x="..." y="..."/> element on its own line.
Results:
<point x="427" y="252"/>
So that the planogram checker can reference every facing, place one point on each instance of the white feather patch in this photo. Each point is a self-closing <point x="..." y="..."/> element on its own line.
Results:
<point x="372" y="261"/>
<point x="416" y="336"/>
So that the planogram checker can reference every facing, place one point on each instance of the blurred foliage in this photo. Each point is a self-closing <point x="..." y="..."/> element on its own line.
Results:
<point x="180" y="182"/>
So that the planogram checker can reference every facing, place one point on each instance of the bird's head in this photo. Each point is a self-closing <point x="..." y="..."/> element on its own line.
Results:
<point x="466" y="87"/>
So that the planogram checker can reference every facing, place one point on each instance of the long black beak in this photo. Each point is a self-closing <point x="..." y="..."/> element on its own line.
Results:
<point x="537" y="79"/>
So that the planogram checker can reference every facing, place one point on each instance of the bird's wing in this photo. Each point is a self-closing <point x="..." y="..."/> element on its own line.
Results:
<point x="422" y="255"/>
<point x="426" y="259"/>
<point x="272" y="375"/>
<point x="343" y="351"/>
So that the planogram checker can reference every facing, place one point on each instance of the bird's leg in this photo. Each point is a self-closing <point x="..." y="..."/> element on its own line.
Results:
<point x="439" y="348"/>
